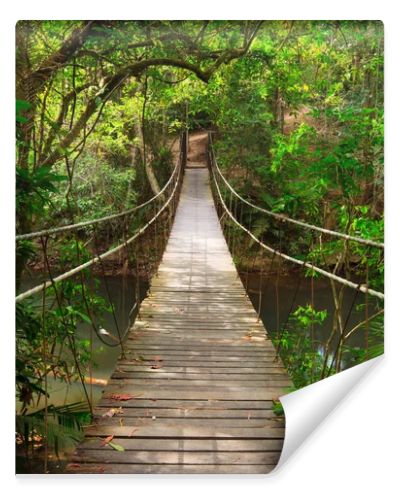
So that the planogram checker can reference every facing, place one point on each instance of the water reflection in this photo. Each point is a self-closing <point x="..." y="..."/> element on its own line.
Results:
<point x="273" y="311"/>
<point x="276" y="305"/>
<point x="122" y="294"/>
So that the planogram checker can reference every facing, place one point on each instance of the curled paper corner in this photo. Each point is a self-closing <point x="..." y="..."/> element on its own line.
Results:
<point x="305" y="409"/>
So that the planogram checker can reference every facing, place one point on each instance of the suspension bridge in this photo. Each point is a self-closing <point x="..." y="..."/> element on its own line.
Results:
<point x="194" y="388"/>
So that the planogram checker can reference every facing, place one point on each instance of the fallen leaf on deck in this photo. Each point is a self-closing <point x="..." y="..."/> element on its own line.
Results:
<point x="122" y="397"/>
<point x="139" y="359"/>
<point x="133" y="432"/>
<point x="116" y="447"/>
<point x="95" y="381"/>
<point x="106" y="440"/>
<point x="156" y="363"/>
<point x="113" y="411"/>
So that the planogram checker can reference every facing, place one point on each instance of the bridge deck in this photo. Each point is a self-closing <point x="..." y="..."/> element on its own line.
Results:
<point x="199" y="368"/>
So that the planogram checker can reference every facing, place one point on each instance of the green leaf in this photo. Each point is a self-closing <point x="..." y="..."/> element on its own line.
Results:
<point x="84" y="316"/>
<point x="20" y="107"/>
<point x="116" y="447"/>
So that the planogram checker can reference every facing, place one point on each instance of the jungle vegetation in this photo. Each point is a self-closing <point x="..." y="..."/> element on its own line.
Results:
<point x="297" y="111"/>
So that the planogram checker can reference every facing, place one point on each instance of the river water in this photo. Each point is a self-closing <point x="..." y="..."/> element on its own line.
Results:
<point x="273" y="312"/>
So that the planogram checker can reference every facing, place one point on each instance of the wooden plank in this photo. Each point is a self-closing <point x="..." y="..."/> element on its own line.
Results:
<point x="96" y="468"/>
<point x="194" y="312"/>
<point x="208" y="351"/>
<point x="209" y="347"/>
<point x="247" y="343"/>
<point x="201" y="371"/>
<point x="212" y="356"/>
<point x="222" y="377"/>
<point x="225" y="423"/>
<point x="107" y="455"/>
<point x="231" y="332"/>
<point x="193" y="303"/>
<point x="178" y="431"/>
<point x="140" y="402"/>
<point x="188" y="413"/>
<point x="191" y="383"/>
<point x="208" y="445"/>
<point x="191" y="334"/>
<point x="211" y="364"/>
<point x="224" y="394"/>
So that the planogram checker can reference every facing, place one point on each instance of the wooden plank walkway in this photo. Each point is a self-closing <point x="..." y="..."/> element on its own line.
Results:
<point x="198" y="364"/>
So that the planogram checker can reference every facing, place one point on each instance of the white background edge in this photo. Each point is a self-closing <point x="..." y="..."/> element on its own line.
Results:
<point x="354" y="452"/>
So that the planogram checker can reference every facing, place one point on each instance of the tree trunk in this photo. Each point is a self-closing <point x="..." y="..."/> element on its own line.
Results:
<point x="146" y="162"/>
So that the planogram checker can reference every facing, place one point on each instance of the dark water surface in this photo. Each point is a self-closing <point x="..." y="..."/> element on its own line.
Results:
<point x="121" y="290"/>
<point x="276" y="305"/>
<point x="273" y="313"/>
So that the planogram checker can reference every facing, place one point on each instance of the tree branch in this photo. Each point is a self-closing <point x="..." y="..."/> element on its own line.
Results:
<point x="60" y="120"/>
<point x="74" y="42"/>
<point x="135" y="70"/>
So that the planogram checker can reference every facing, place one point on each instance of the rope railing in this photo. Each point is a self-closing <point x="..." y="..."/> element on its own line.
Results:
<point x="176" y="174"/>
<point x="100" y="220"/>
<point x="284" y="218"/>
<point x="75" y="303"/>
<point x="356" y="286"/>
